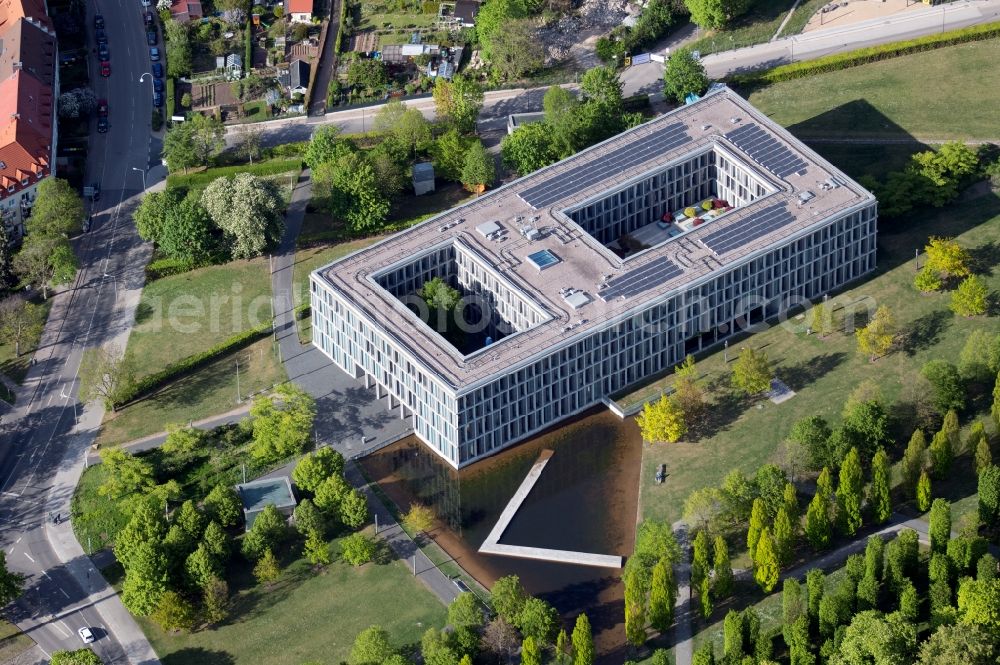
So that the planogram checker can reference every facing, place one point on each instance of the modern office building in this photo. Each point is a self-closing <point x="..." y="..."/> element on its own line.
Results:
<point x="593" y="274"/>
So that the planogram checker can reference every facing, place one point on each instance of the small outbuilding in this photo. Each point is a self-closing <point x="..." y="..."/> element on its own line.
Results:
<point x="423" y="178"/>
<point x="465" y="12"/>
<point x="298" y="77"/>
<point x="259" y="494"/>
<point x="299" y="11"/>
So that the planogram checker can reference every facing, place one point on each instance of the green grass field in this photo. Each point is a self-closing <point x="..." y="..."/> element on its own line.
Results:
<point x="12" y="642"/>
<point x="758" y="25"/>
<point x="824" y="371"/>
<point x="308" y="617"/>
<point x="16" y="367"/>
<point x="209" y="391"/>
<point x="893" y="98"/>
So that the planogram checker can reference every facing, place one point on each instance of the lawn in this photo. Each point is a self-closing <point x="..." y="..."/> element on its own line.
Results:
<point x="892" y="98"/>
<point x="823" y="372"/>
<point x="184" y="314"/>
<point x="16" y="367"/>
<point x="197" y="180"/>
<point x="95" y="519"/>
<point x="758" y="25"/>
<point x="308" y="617"/>
<point x="207" y="392"/>
<point x="12" y="642"/>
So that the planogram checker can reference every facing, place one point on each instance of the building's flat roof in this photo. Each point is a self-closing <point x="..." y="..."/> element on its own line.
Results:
<point x="258" y="494"/>
<point x="721" y="120"/>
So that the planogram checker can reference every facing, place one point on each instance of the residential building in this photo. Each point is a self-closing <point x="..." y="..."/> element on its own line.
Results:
<point x="298" y="77"/>
<point x="465" y="13"/>
<point x="590" y="276"/>
<point x="299" y="11"/>
<point x="29" y="81"/>
<point x="184" y="11"/>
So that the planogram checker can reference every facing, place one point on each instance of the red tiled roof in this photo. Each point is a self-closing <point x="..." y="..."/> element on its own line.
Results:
<point x="298" y="6"/>
<point x="185" y="10"/>
<point x="12" y="10"/>
<point x="26" y="106"/>
<point x="27" y="47"/>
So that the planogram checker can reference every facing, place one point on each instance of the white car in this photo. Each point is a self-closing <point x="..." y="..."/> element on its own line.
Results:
<point x="86" y="635"/>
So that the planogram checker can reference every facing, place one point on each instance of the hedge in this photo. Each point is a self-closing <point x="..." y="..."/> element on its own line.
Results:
<point x="340" y="29"/>
<point x="165" y="267"/>
<point x="202" y="178"/>
<point x="635" y="103"/>
<point x="171" y="87"/>
<point x="151" y="382"/>
<point x="248" y="39"/>
<point x="832" y="63"/>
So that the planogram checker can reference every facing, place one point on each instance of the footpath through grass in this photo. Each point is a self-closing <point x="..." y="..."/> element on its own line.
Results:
<point x="938" y="94"/>
<point x="308" y="617"/>
<point x="824" y="371"/>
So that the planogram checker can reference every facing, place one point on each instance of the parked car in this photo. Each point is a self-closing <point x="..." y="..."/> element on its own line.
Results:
<point x="86" y="635"/>
<point x="102" y="108"/>
<point x="98" y="21"/>
<point x="102" y="125"/>
<point x="105" y="68"/>
<point x="101" y="36"/>
<point x="154" y="54"/>
<point x="158" y="85"/>
<point x="102" y="52"/>
<point x="151" y="37"/>
<point x="157" y="99"/>
<point x="460" y="585"/>
<point x="147" y="18"/>
<point x="157" y="70"/>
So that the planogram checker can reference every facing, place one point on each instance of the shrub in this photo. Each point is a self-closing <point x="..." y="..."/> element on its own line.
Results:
<point x="357" y="549"/>
<point x="170" y="108"/>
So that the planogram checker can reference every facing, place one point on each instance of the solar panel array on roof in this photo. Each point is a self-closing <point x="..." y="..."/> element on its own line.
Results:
<point x="766" y="150"/>
<point x="641" y="279"/>
<point x="623" y="158"/>
<point x="749" y="229"/>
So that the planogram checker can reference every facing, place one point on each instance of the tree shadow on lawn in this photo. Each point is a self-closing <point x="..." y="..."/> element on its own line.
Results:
<point x="925" y="332"/>
<point x="251" y="600"/>
<point x="722" y="412"/>
<point x="810" y="370"/>
<point x="984" y="258"/>
<point x="198" y="656"/>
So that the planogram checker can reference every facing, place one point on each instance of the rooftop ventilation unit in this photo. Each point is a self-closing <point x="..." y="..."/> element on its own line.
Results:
<point x="487" y="229"/>
<point x="806" y="196"/>
<point x="576" y="298"/>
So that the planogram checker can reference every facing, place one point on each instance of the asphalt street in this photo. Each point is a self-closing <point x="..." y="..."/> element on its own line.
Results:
<point x="43" y="441"/>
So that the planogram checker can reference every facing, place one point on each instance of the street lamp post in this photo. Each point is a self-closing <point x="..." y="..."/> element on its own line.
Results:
<point x="144" y="76"/>
<point x="114" y="280"/>
<point x="143" y="172"/>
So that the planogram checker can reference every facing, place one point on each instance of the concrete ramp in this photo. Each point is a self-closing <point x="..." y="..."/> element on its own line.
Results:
<point x="492" y="543"/>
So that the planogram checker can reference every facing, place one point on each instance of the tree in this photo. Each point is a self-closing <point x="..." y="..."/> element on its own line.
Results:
<point x="984" y="458"/>
<point x="700" y="564"/>
<point x="960" y="645"/>
<point x="412" y="131"/>
<point x="125" y="474"/>
<point x="202" y="567"/>
<point x="223" y="505"/>
<point x="877" y="639"/>
<point x="849" y="494"/>
<point x="20" y="320"/>
<point x="179" y="149"/>
<point x="635" y="610"/>
<point x="500" y="637"/>
<point x="538" y="620"/>
<point x="151" y="214"/>
<point x="45" y="261"/>
<point x="248" y="142"/>
<point x="662" y="420"/>
<point x="326" y="146"/>
<point x="215" y="601"/>
<point x="331" y="494"/>
<point x="515" y="51"/>
<point x="913" y="461"/>
<point x="178" y="40"/>
<point x="766" y="565"/>
<point x="448" y="151"/>
<point x="752" y="372"/>
<point x="784" y="537"/>
<point x="879" y="497"/>
<point x="995" y="406"/>
<point x="190" y="520"/>
<point x="940" y="525"/>
<point x="248" y="210"/>
<point x="478" y="173"/>
<point x="268" y="530"/>
<point x="971" y="297"/>
<point x="106" y="374"/>
<point x="530" y="652"/>
<point x="813" y="433"/>
<point x="705" y="598"/>
<point x="979" y="603"/>
<point x="732" y="630"/>
<point x="174" y="613"/>
<point x="947" y="259"/>
<point x="57" y="211"/>
<point x="663" y="595"/>
<point x="528" y="148"/>
<point x="314" y="468"/>
<point x="986" y="568"/>
<point x="309" y="519"/>
<point x="8" y="280"/>
<point x="758" y="517"/>
<point x="371" y="647"/>
<point x="876" y="338"/>
<point x="867" y="427"/>
<point x="355" y="193"/>
<point x="941" y="454"/>
<point x="357" y="549"/>
<point x="464" y="612"/>
<point x="267" y="568"/>
<point x="924" y="492"/>
<point x="927" y="280"/>
<point x="83" y="656"/>
<point x="684" y="75"/>
<point x="818" y="523"/>
<point x="508" y="598"/>
<point x="282" y="422"/>
<point x="187" y="232"/>
<point x="458" y="102"/>
<point x="583" y="641"/>
<point x="368" y="74"/>
<point x="145" y="578"/>
<point x="11" y="584"/>
<point x="769" y="483"/>
<point x="989" y="496"/>
<point x="821" y="319"/>
<point x="419" y="519"/>
<point x="353" y="509"/>
<point x="722" y="581"/>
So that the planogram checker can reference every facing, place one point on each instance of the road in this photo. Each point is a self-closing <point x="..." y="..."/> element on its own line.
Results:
<point x="498" y="104"/>
<point x="44" y="439"/>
